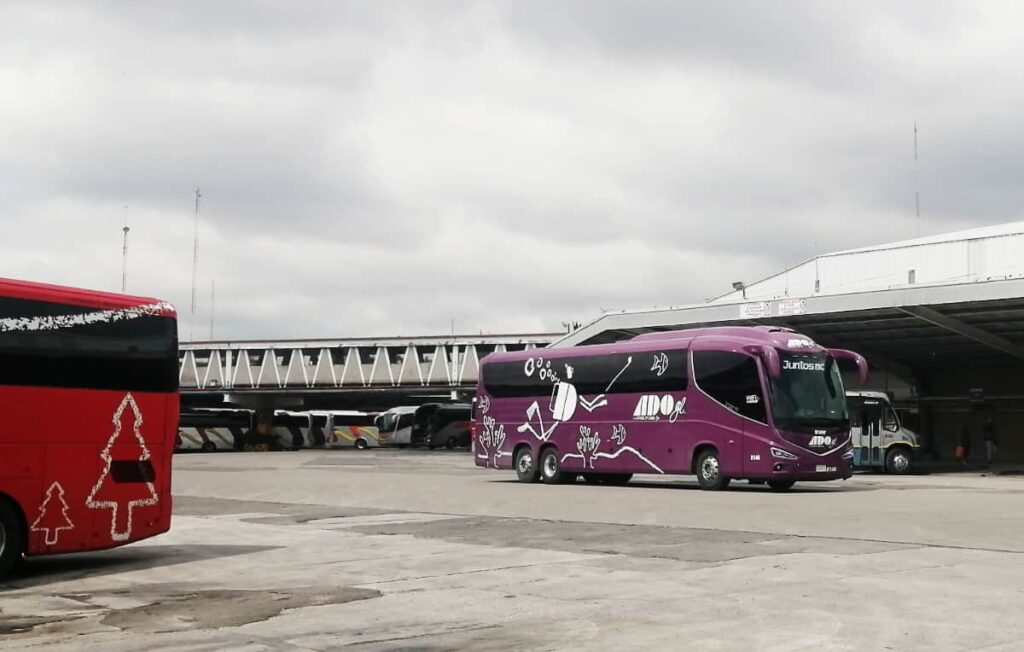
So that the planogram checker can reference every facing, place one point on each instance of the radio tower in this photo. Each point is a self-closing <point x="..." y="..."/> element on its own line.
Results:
<point x="124" y="254"/>
<point x="195" y="265"/>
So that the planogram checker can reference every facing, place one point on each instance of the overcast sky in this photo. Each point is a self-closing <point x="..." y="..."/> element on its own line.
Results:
<point x="379" y="168"/>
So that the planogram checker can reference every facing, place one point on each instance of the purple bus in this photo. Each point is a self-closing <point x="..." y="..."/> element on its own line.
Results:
<point x="763" y="404"/>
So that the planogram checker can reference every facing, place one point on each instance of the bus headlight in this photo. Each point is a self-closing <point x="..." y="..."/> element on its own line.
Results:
<point x="782" y="455"/>
<point x="848" y="455"/>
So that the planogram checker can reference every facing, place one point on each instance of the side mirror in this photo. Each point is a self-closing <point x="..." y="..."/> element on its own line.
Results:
<point x="769" y="356"/>
<point x="856" y="358"/>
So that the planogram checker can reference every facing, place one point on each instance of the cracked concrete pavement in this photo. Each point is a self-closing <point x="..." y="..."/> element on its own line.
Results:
<point x="384" y="550"/>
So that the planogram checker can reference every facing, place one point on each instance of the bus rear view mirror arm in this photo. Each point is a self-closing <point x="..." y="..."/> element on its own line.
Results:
<point x="770" y="357"/>
<point x="856" y="358"/>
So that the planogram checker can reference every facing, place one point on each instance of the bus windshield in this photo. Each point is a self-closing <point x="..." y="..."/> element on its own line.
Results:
<point x="809" y="392"/>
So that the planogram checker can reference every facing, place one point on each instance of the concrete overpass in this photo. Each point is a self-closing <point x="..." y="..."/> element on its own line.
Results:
<point x="364" y="372"/>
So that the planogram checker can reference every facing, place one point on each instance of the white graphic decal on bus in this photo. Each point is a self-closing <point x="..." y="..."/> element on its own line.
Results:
<point x="485" y="404"/>
<point x="660" y="364"/>
<point x="589" y="442"/>
<point x="490" y="441"/>
<point x="57" y="322"/>
<point x="652" y="407"/>
<point x="564" y="398"/>
<point x="52" y="517"/>
<point x="104" y="494"/>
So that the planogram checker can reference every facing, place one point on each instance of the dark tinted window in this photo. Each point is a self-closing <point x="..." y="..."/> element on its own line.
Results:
<point x="201" y="419"/>
<point x="352" y="420"/>
<point x="619" y="373"/>
<point x="732" y="380"/>
<point x="137" y="353"/>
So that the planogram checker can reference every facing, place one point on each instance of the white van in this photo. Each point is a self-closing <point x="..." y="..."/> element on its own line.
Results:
<point x="879" y="439"/>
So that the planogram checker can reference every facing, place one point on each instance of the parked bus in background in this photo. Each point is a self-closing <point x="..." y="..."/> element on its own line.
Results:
<point x="880" y="441"/>
<point x="449" y="426"/>
<point x="290" y="430"/>
<point x="350" y="429"/>
<point x="762" y="404"/>
<point x="88" y="417"/>
<point x="209" y="430"/>
<point x="421" y="423"/>
<point x="396" y="425"/>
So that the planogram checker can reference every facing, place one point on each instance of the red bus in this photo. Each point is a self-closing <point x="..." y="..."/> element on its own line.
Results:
<point x="88" y="417"/>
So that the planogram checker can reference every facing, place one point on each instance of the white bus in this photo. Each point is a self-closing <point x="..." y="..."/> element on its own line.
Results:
<point x="209" y="430"/>
<point x="396" y="426"/>
<point x="879" y="440"/>
<point x="350" y="429"/>
<point x="290" y="430"/>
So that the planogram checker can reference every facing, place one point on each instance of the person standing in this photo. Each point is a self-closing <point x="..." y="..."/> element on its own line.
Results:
<point x="991" y="437"/>
<point x="963" y="450"/>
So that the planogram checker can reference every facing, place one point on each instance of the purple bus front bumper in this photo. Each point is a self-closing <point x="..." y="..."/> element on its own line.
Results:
<point x="814" y="469"/>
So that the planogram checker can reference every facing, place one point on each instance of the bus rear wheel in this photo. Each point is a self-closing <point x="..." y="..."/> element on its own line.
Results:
<point x="709" y="472"/>
<point x="12" y="539"/>
<point x="526" y="467"/>
<point x="208" y="447"/>
<point x="550" y="469"/>
<point x="781" y="485"/>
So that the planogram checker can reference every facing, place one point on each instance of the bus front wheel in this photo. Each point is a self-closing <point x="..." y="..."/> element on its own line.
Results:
<point x="361" y="444"/>
<point x="781" y="485"/>
<point x="526" y="467"/>
<point x="709" y="472"/>
<point x="12" y="538"/>
<point x="897" y="460"/>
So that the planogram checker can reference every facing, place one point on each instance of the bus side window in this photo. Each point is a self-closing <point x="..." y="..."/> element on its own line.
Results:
<point x="732" y="380"/>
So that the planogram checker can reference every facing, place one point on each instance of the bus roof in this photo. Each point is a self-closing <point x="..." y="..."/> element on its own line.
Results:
<point x="78" y="296"/>
<point x="726" y="337"/>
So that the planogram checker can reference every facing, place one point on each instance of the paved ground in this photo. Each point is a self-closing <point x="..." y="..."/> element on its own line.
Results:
<point x="382" y="549"/>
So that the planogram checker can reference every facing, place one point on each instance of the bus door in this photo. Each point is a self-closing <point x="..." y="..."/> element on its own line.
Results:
<point x="869" y="416"/>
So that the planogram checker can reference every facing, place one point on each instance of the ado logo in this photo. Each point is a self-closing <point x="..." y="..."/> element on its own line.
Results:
<point x="652" y="407"/>
<point x="822" y="440"/>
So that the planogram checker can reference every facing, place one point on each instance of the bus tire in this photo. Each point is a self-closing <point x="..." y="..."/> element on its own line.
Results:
<point x="709" y="471"/>
<point x="550" y="469"/>
<point x="450" y="443"/>
<point x="898" y="460"/>
<point x="781" y="485"/>
<point x="526" y="466"/>
<point x="208" y="447"/>
<point x="617" y="479"/>
<point x="361" y="444"/>
<point x="12" y="538"/>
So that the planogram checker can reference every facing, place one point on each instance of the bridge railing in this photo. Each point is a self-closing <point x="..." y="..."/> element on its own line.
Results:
<point x="352" y="364"/>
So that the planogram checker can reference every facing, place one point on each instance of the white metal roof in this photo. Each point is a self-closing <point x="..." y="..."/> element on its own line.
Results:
<point x="971" y="256"/>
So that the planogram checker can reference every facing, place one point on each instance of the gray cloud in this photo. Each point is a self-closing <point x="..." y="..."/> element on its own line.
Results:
<point x="382" y="168"/>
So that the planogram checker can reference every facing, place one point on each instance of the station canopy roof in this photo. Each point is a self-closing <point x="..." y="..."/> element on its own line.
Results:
<point x="902" y="329"/>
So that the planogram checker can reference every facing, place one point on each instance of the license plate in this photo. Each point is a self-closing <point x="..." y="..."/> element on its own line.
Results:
<point x="822" y="468"/>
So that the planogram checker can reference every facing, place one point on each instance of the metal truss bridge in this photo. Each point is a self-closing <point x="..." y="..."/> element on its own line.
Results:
<point x="335" y="365"/>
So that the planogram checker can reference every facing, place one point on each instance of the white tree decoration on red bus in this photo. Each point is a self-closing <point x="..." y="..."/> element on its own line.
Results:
<point x="51" y="521"/>
<point x="129" y="495"/>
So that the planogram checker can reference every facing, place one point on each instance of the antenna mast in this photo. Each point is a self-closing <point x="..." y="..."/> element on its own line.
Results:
<point x="124" y="253"/>
<point x="917" y="187"/>
<point x="212" y="306"/>
<point x="195" y="265"/>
